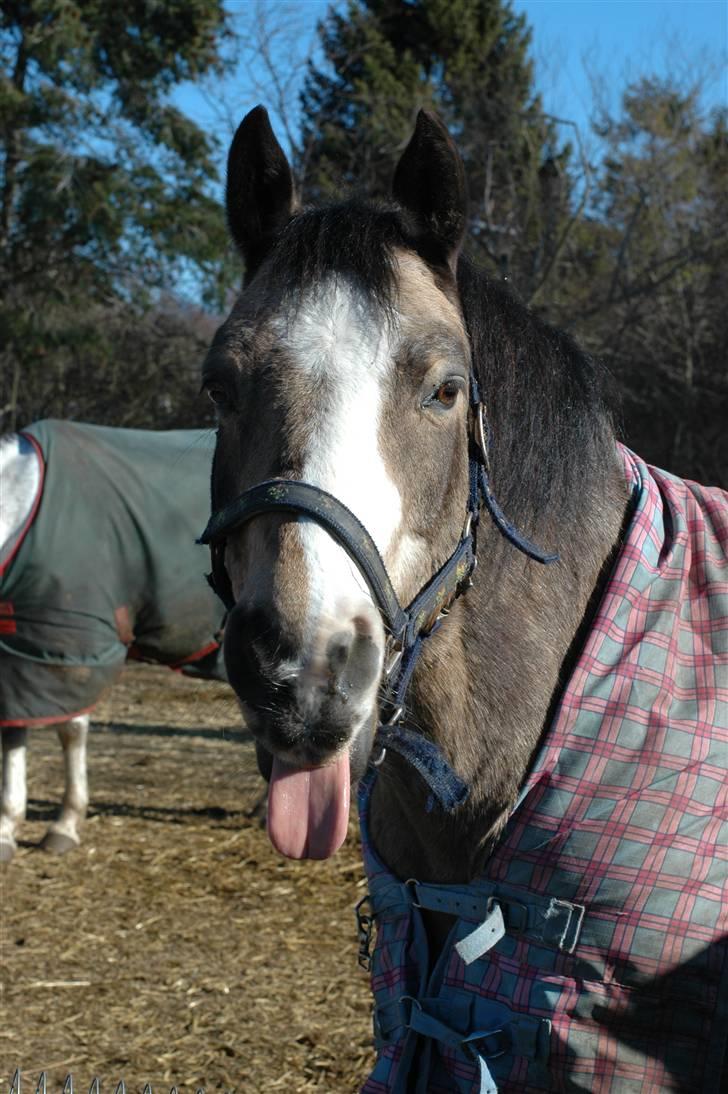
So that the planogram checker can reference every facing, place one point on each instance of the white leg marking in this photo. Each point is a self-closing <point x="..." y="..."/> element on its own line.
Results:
<point x="14" y="793"/>
<point x="73" y="736"/>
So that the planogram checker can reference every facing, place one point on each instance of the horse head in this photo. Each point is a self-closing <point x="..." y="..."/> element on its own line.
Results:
<point x="345" y="365"/>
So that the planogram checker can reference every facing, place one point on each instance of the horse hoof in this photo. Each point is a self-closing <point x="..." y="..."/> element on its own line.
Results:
<point x="7" y="851"/>
<point x="57" y="843"/>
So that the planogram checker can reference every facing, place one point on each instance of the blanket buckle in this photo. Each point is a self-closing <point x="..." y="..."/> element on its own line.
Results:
<point x="489" y="1050"/>
<point x="364" y="927"/>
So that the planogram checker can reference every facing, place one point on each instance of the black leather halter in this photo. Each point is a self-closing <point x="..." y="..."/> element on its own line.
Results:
<point x="406" y="627"/>
<point x="301" y="498"/>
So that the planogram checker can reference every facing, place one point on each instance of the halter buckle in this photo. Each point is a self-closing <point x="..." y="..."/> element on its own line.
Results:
<point x="395" y="716"/>
<point x="364" y="927"/>
<point x="485" y="1035"/>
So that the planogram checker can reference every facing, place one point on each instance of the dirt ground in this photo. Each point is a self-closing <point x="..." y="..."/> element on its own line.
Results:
<point x="175" y="946"/>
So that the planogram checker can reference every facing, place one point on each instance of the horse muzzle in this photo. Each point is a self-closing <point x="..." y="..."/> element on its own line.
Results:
<point x="304" y="704"/>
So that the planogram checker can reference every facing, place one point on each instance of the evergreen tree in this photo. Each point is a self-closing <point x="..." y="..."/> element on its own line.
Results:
<point x="651" y="276"/>
<point x="467" y="59"/>
<point x="104" y="196"/>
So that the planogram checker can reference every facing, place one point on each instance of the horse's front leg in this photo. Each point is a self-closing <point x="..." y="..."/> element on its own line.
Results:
<point x="14" y="795"/>
<point x="64" y="834"/>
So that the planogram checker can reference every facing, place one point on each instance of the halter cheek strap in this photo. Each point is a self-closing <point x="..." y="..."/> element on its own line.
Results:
<point x="407" y="628"/>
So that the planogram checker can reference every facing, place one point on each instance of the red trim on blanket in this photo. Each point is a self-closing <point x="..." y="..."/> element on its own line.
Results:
<point x="209" y="648"/>
<point x="34" y="509"/>
<point x="133" y="654"/>
<point x="7" y="625"/>
<point x="52" y="719"/>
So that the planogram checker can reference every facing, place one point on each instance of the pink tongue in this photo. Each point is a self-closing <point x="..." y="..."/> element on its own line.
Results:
<point x="308" y="808"/>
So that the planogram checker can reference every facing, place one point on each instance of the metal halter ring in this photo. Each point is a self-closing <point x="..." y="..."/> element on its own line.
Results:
<point x="479" y="431"/>
<point x="380" y="759"/>
<point x="410" y="884"/>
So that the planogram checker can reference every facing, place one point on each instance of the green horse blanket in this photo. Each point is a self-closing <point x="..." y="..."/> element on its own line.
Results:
<point x="107" y="568"/>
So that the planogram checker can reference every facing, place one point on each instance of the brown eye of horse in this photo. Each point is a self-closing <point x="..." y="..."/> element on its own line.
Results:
<point x="447" y="393"/>
<point x="217" y="396"/>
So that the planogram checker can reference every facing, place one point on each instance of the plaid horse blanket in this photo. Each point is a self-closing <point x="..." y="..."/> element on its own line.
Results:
<point x="592" y="953"/>
<point x="108" y="568"/>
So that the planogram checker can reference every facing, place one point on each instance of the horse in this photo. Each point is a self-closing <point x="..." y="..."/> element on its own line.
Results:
<point x="538" y="745"/>
<point x="98" y="564"/>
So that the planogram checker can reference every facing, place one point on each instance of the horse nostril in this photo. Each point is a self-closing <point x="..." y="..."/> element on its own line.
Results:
<point x="352" y="660"/>
<point x="256" y="648"/>
<point x="337" y="653"/>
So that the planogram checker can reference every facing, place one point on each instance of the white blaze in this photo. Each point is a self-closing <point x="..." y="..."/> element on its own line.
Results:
<point x="346" y="356"/>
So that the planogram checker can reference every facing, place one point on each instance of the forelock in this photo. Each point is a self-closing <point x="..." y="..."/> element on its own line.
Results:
<point x="354" y="240"/>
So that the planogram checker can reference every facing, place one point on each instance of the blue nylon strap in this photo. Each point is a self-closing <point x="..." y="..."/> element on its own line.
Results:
<point x="424" y="1024"/>
<point x="480" y="483"/>
<point x="474" y="491"/>
<point x="504" y="526"/>
<point x="408" y="1014"/>
<point x="497" y="1032"/>
<point x="484" y="937"/>
<point x="392" y="1018"/>
<point x="548" y="921"/>
<point x="447" y="788"/>
<point x="406" y="669"/>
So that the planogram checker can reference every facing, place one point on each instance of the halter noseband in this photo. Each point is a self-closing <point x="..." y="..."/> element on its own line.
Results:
<point x="407" y="628"/>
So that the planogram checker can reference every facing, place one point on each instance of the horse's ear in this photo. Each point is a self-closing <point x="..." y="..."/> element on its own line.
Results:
<point x="429" y="183"/>
<point x="259" y="195"/>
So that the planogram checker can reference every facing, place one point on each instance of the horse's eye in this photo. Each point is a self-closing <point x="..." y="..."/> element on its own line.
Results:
<point x="447" y="393"/>
<point x="218" y="396"/>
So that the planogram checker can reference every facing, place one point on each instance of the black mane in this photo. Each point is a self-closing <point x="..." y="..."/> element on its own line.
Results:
<point x="552" y="432"/>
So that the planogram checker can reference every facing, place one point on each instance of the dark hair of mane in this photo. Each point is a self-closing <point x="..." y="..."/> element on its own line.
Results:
<point x="552" y="437"/>
<point x="552" y="430"/>
<point x="354" y="239"/>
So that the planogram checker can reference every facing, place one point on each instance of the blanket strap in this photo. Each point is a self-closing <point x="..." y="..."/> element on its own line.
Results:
<point x="481" y="1045"/>
<point x="495" y="908"/>
<point x="498" y="1032"/>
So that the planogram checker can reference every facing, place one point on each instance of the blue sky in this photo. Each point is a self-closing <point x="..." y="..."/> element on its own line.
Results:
<point x="619" y="40"/>
<point x="575" y="43"/>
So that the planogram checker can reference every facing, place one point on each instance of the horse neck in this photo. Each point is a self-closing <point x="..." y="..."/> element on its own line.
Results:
<point x="486" y="688"/>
